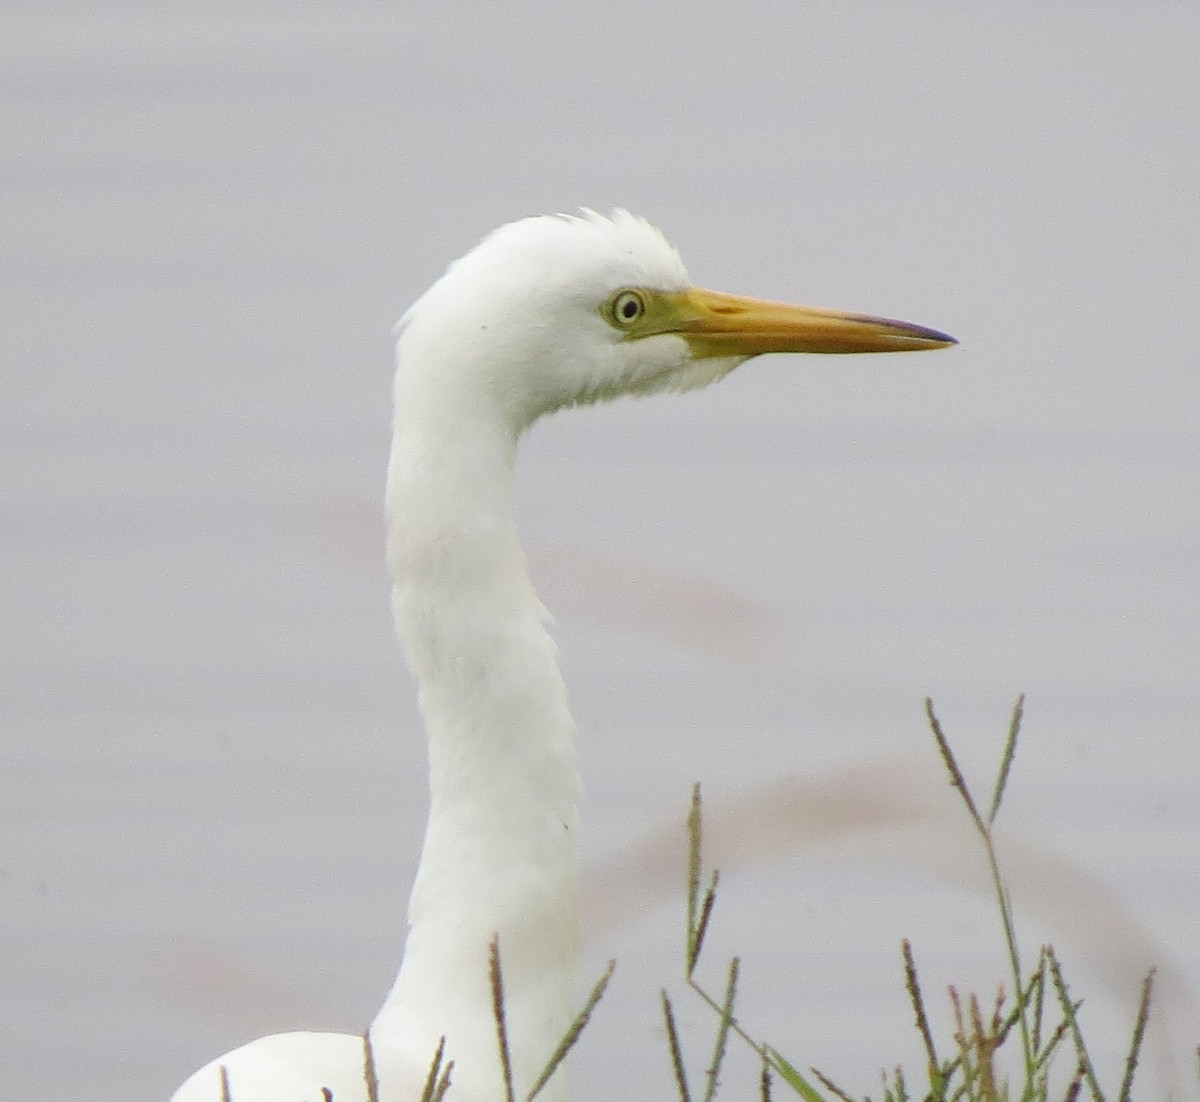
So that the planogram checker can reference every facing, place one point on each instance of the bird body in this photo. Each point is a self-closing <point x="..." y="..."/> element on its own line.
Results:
<point x="545" y="313"/>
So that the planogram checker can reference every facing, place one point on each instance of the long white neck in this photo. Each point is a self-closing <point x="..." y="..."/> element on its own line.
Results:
<point x="500" y="854"/>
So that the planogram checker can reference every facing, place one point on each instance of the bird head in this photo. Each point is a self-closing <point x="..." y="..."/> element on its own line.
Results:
<point x="562" y="310"/>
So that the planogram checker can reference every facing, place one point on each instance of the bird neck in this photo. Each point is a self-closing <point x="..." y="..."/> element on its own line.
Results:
<point x="500" y="853"/>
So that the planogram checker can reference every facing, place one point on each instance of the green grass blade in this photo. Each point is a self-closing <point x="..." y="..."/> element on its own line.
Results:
<point x="913" y="985"/>
<point x="1139" y="1033"/>
<point x="677" y="1065"/>
<point x="719" y="1047"/>
<point x="1010" y="752"/>
<point x="1075" y="1086"/>
<point x="370" y="1078"/>
<point x="792" y="1077"/>
<point x="1070" y="1011"/>
<point x="443" y="1083"/>
<point x="435" y="1072"/>
<point x="699" y="910"/>
<point x="496" y="977"/>
<point x="573" y="1032"/>
<point x="956" y="776"/>
<point x="706" y="910"/>
<point x="694" y="827"/>
<point x="831" y="1086"/>
<point x="1039" y="1000"/>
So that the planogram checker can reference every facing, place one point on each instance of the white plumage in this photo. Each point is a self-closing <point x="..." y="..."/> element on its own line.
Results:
<point x="545" y="313"/>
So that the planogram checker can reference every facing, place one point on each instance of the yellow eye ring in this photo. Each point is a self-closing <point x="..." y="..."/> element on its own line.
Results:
<point x="626" y="307"/>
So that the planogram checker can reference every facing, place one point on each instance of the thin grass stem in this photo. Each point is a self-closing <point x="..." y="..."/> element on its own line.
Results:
<point x="951" y="762"/>
<point x="573" y="1032"/>
<point x="734" y="1026"/>
<point x="435" y="1073"/>
<point x="831" y="1086"/>
<point x="1039" y="1000"/>
<point x="719" y="1047"/>
<point x="1006" y="760"/>
<point x="706" y="909"/>
<point x="673" y="1045"/>
<point x="370" y="1078"/>
<point x="1139" y="1033"/>
<point x="998" y="884"/>
<point x="764" y="1082"/>
<point x="912" y="983"/>
<point x="694" y="828"/>
<point x="496" y="977"/>
<point x="1070" y="1012"/>
<point x="699" y="911"/>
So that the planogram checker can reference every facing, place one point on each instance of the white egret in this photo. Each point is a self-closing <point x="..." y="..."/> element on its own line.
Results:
<point x="545" y="313"/>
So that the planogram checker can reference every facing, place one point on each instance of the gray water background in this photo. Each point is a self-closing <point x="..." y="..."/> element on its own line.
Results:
<point x="211" y="770"/>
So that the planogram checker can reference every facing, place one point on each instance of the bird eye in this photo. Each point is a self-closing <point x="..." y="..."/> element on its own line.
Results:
<point x="626" y="307"/>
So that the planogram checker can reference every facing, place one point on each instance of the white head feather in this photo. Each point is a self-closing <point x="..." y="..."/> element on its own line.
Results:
<point x="518" y="321"/>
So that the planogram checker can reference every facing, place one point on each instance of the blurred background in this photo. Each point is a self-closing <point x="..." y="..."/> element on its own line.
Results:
<point x="211" y="767"/>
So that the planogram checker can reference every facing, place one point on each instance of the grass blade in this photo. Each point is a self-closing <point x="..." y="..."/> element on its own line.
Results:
<point x="699" y="911"/>
<point x="1039" y="1000"/>
<point x="831" y="1086"/>
<point x="792" y="1077"/>
<point x="918" y="1003"/>
<point x="694" y="827"/>
<point x="714" y="1069"/>
<point x="576" y="1028"/>
<point x="706" y="910"/>
<point x="956" y="777"/>
<point x="676" y="1051"/>
<point x="1010" y="752"/>
<point x="497" y="983"/>
<point x="1139" y="1033"/>
<point x="1070" y="1012"/>
<point x="369" y="1076"/>
<point x="436" y="1074"/>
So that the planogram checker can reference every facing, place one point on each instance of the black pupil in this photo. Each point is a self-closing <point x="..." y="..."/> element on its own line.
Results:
<point x="629" y="308"/>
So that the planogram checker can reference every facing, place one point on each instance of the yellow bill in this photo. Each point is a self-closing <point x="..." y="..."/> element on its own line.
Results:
<point x="716" y="324"/>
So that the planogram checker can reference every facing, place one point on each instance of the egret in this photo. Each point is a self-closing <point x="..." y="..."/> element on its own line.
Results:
<point x="546" y="313"/>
